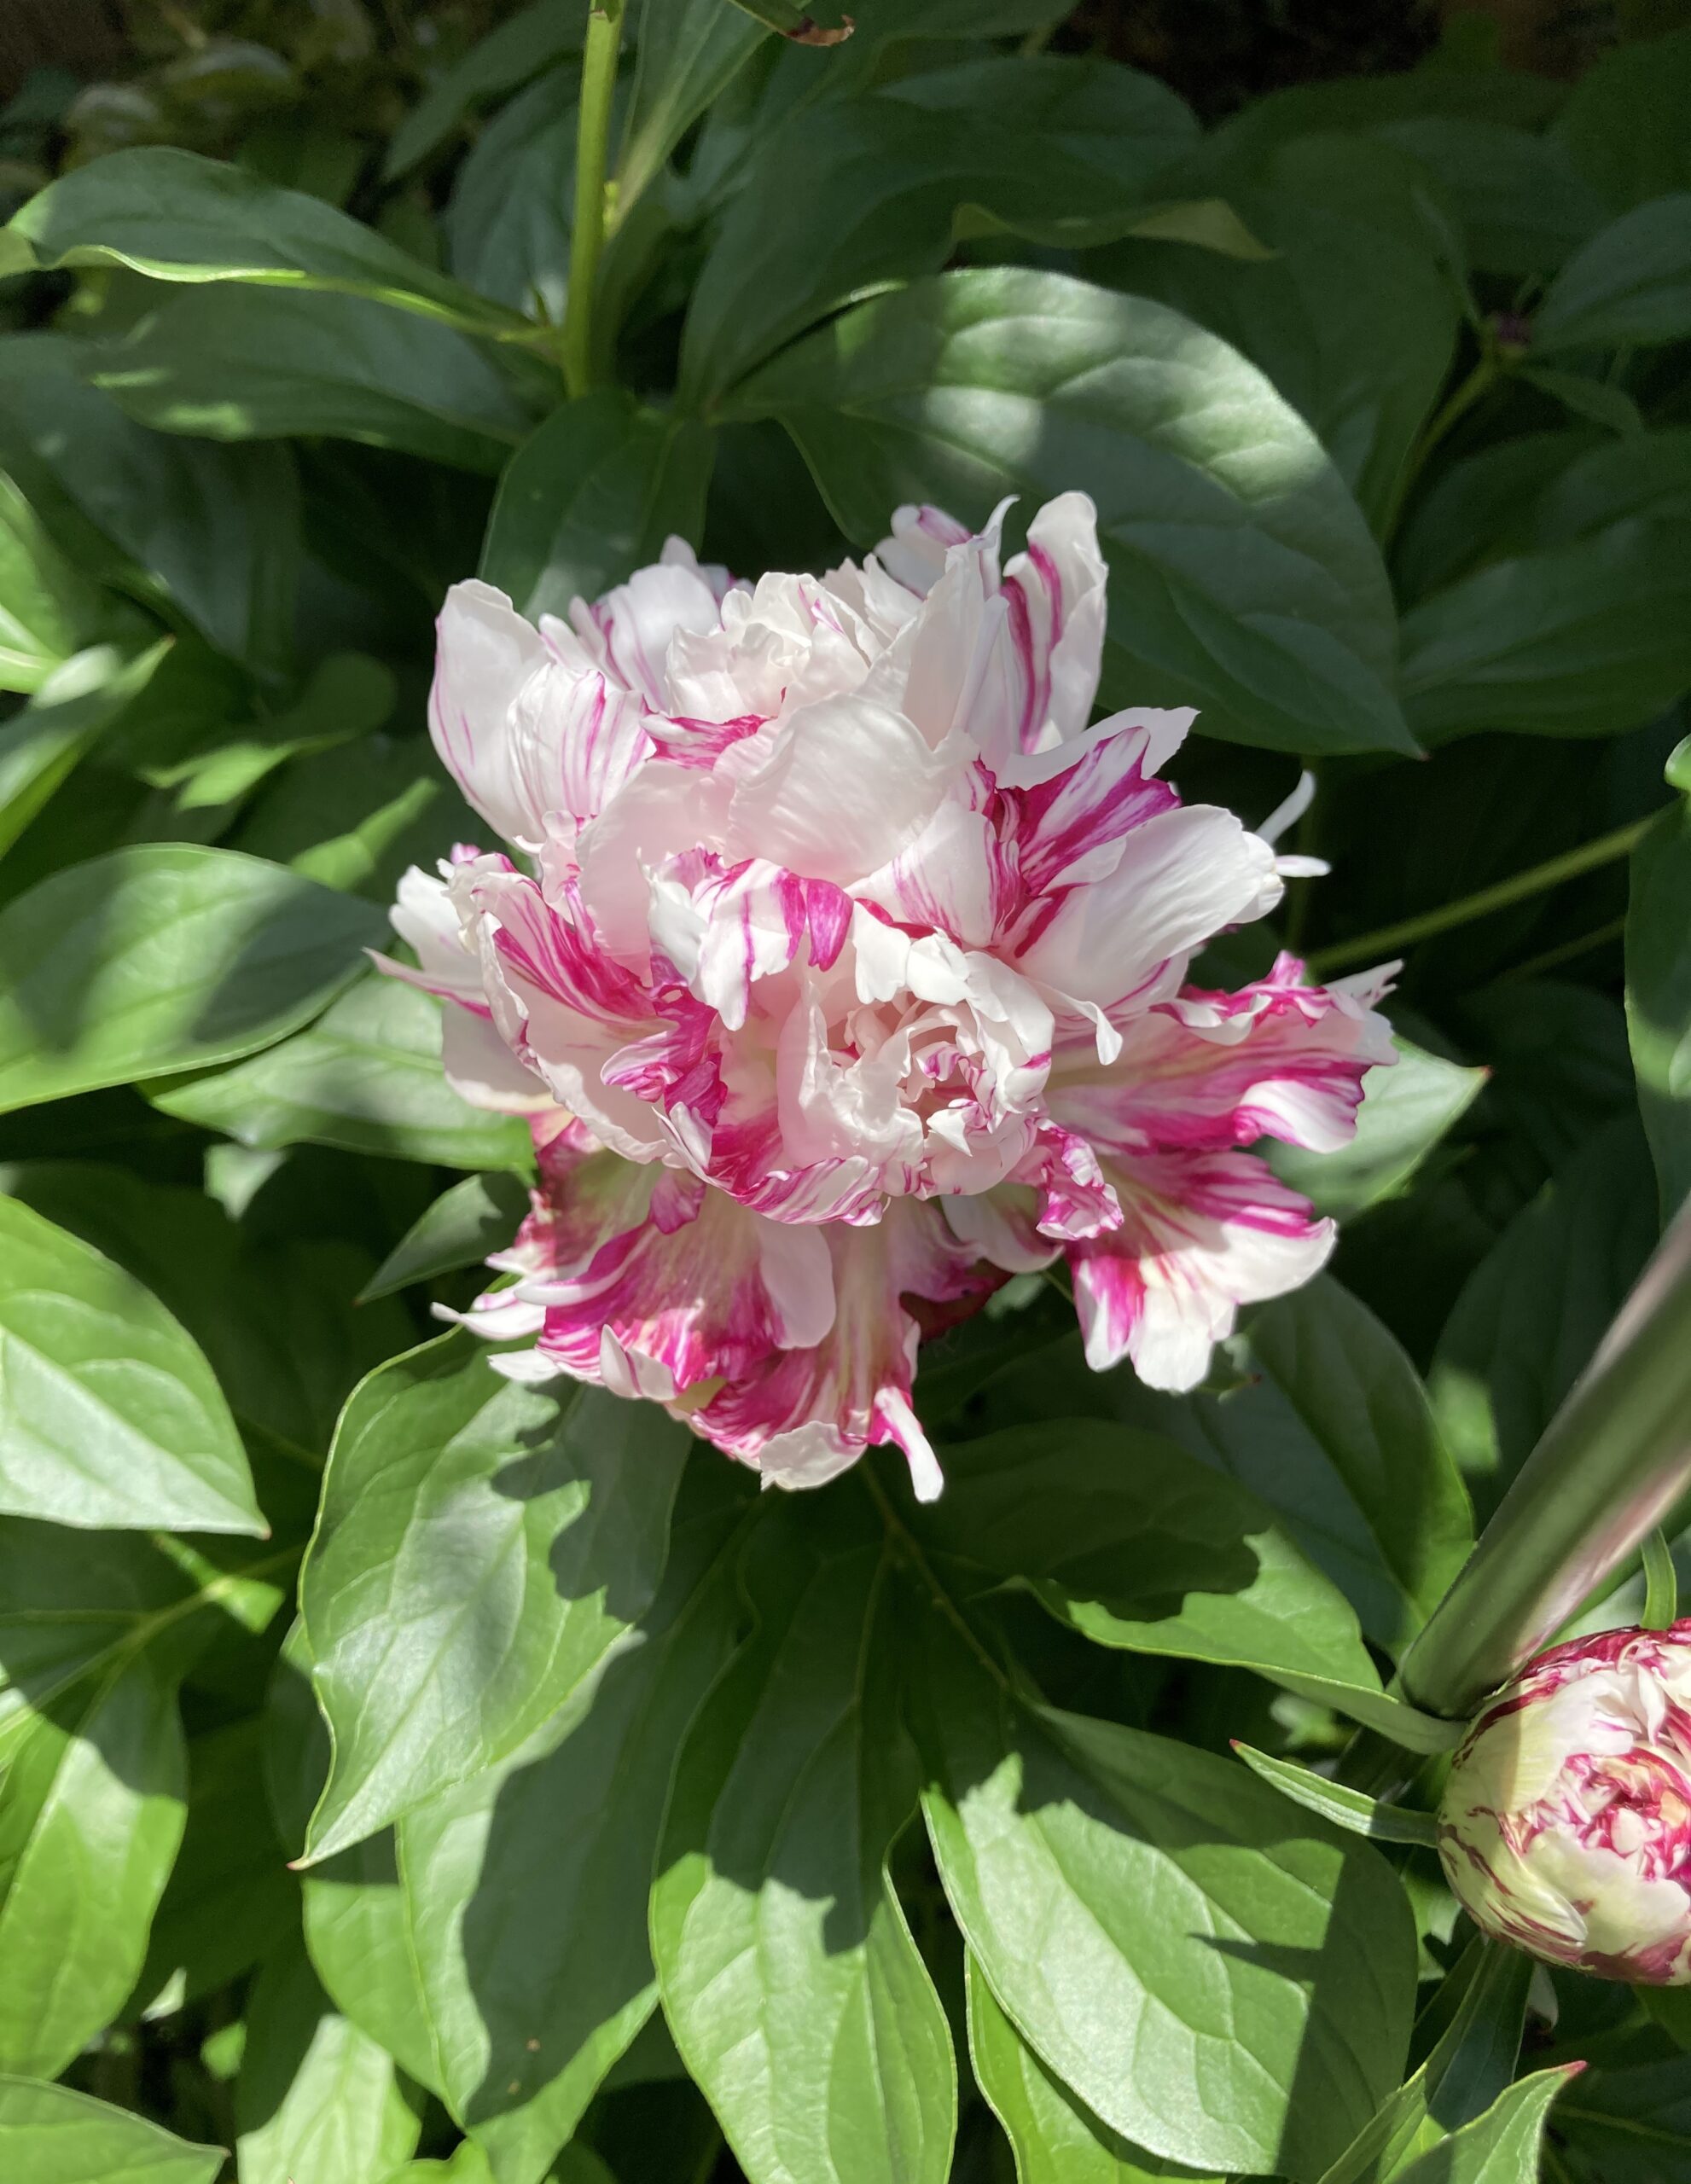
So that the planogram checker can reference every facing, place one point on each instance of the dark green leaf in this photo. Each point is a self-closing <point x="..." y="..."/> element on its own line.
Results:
<point x="1658" y="995"/>
<point x="316" y="2099"/>
<point x="47" y="611"/>
<point x="1217" y="1980"/>
<point x="1534" y="1309"/>
<point x="463" y="1226"/>
<point x="1631" y="286"/>
<point x="689" y="51"/>
<point x="347" y="694"/>
<point x="525" y="1890"/>
<point x="1059" y="149"/>
<point x="1349" y="314"/>
<point x="386" y="801"/>
<point x="1470" y="2063"/>
<point x="91" y="1812"/>
<point x="1054" y="2140"/>
<point x="1523" y="205"/>
<point x="591" y="497"/>
<point x="1249" y="587"/>
<point x="1623" y="122"/>
<point x="508" y="222"/>
<point x="790" y="1981"/>
<point x="481" y="1547"/>
<point x="1626" y="2126"/>
<point x="51" y="2135"/>
<point x="521" y="48"/>
<point x="210" y="532"/>
<point x="1406" y="1110"/>
<point x="161" y="958"/>
<point x="1344" y="1807"/>
<point x="231" y="1900"/>
<point x="267" y="364"/>
<point x="175" y="216"/>
<point x="72" y="709"/>
<point x="1502" y="2145"/>
<point x="366" y="1076"/>
<point x="1136" y="1543"/>
<point x="109" y="1416"/>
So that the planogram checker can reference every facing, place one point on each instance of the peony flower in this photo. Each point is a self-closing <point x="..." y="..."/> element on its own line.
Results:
<point x="839" y="963"/>
<point x="1565" y="1826"/>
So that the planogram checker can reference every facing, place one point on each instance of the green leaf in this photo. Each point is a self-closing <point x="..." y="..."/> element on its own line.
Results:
<point x="1219" y="1981"/>
<point x="316" y="2099"/>
<point x="1323" y="1357"/>
<point x="72" y="709"/>
<point x="463" y="1226"/>
<point x="174" y="216"/>
<point x="1658" y="995"/>
<point x="91" y="1812"/>
<point x="507" y="222"/>
<point x="46" y="611"/>
<point x="1061" y="150"/>
<point x="386" y="802"/>
<point x="525" y="1890"/>
<point x="1531" y="1314"/>
<point x="1406" y="1110"/>
<point x="274" y="1314"/>
<point x="795" y="1993"/>
<point x="211" y="533"/>
<point x="229" y="1900"/>
<point x="265" y="363"/>
<point x="1522" y="203"/>
<point x="1661" y="1583"/>
<point x="1626" y="2126"/>
<point x="1623" y="119"/>
<point x="109" y="1416"/>
<point x="1502" y="2145"/>
<point x="591" y="497"/>
<point x="689" y="52"/>
<point x="1575" y="624"/>
<point x="1251" y="588"/>
<point x="1344" y="1807"/>
<point x="1056" y="2140"/>
<point x="794" y="22"/>
<point x="519" y="48"/>
<point x="1134" y="1544"/>
<point x="1470" y="2063"/>
<point x="1629" y="287"/>
<point x="347" y="694"/>
<point x="366" y="1076"/>
<point x="1348" y="311"/>
<point x="481" y="1547"/>
<point x="1609" y="406"/>
<point x="160" y="958"/>
<point x="51" y="2135"/>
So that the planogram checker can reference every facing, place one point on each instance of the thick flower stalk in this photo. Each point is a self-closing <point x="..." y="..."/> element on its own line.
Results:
<point x="839" y="963"/>
<point x="1565" y="1826"/>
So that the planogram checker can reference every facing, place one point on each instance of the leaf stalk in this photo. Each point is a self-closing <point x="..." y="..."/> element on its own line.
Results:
<point x="587" y="240"/>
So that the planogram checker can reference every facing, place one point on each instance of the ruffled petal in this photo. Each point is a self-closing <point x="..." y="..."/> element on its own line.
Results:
<point x="1202" y="1234"/>
<point x="486" y="655"/>
<point x="1277" y="1059"/>
<point x="807" y="1414"/>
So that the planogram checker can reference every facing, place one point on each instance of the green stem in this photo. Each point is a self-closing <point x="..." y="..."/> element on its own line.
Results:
<point x="1516" y="889"/>
<point x="1612" y="1463"/>
<point x="593" y="138"/>
<point x="1478" y="382"/>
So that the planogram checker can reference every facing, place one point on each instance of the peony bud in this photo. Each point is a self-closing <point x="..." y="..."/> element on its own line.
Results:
<point x="1566" y="1827"/>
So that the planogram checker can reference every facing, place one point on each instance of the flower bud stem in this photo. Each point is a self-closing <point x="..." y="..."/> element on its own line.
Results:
<point x="587" y="240"/>
<point x="1611" y="1465"/>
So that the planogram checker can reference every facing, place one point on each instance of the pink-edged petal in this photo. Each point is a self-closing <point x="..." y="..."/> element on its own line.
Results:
<point x="807" y="1414"/>
<point x="957" y="877"/>
<point x="747" y="923"/>
<point x="1181" y="877"/>
<point x="1002" y="1226"/>
<point x="651" y="1284"/>
<point x="1277" y="1059"/>
<point x="1055" y="593"/>
<point x="486" y="655"/>
<point x="627" y="633"/>
<point x="1202" y="1234"/>
<point x="915" y="554"/>
<point x="1075" y="804"/>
